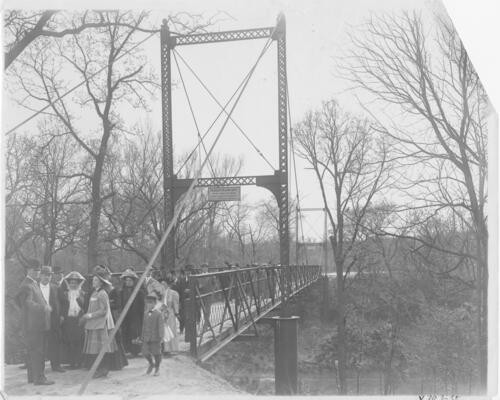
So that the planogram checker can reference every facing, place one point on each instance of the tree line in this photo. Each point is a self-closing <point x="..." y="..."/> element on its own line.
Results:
<point x="405" y="190"/>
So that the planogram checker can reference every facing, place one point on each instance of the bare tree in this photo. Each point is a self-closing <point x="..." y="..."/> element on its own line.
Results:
<point x="45" y="201"/>
<point x="347" y="157"/>
<point x="23" y="27"/>
<point x="19" y="156"/>
<point x="236" y="226"/>
<point x="134" y="219"/>
<point x="123" y="81"/>
<point x="59" y="197"/>
<point x="260" y="232"/>
<point x="442" y="134"/>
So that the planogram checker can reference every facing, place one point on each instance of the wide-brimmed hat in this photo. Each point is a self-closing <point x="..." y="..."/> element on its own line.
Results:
<point x="129" y="274"/>
<point x="102" y="275"/>
<point x="46" y="270"/>
<point x="103" y="270"/>
<point x="74" y="275"/>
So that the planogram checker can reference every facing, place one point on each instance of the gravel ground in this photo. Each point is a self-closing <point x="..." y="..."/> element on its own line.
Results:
<point x="179" y="375"/>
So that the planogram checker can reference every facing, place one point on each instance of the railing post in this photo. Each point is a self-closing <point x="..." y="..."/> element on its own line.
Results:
<point x="237" y="295"/>
<point x="270" y="283"/>
<point x="187" y="314"/>
<point x="192" y="317"/>
<point x="259" y="299"/>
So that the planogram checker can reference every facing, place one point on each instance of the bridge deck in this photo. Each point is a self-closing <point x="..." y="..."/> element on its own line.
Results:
<point x="227" y="303"/>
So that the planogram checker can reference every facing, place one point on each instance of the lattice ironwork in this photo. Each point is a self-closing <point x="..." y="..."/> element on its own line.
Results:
<point x="218" y="181"/>
<point x="227" y="36"/>
<point x="280" y="36"/>
<point x="227" y="303"/>
<point x="168" y="251"/>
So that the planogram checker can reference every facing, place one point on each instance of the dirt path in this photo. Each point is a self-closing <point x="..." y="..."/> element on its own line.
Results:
<point x="179" y="375"/>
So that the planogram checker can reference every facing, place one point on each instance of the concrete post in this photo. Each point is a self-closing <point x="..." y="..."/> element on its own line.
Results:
<point x="285" y="354"/>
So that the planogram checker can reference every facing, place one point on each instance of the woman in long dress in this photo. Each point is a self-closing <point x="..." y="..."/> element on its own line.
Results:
<point x="171" y="313"/>
<point x="98" y="324"/>
<point x="132" y="323"/>
<point x="118" y="360"/>
<point x="72" y="308"/>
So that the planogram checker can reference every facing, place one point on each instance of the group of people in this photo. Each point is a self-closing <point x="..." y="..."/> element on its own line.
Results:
<point x="68" y="319"/>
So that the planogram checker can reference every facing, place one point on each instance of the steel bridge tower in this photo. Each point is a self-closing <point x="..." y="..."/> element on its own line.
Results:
<point x="277" y="183"/>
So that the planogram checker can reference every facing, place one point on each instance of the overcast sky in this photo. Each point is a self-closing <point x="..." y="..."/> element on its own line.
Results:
<point x="316" y="36"/>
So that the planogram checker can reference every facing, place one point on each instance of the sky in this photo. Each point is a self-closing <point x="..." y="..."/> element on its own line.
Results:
<point x="316" y="37"/>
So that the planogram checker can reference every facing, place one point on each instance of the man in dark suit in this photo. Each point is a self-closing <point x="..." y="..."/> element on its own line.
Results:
<point x="181" y="285"/>
<point x="51" y="295"/>
<point x="36" y="324"/>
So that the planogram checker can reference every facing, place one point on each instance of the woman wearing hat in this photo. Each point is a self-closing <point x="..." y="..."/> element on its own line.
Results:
<point x="171" y="313"/>
<point x="118" y="360"/>
<point x="98" y="324"/>
<point x="132" y="323"/>
<point x="72" y="308"/>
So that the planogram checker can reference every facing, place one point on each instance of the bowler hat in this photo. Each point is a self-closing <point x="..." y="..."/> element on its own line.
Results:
<point x="46" y="270"/>
<point x="57" y="270"/>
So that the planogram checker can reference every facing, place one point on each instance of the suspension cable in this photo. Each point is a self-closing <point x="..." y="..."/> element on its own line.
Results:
<point x="220" y="105"/>
<point x="170" y="226"/>
<point x="192" y="114"/>
<point x="52" y="103"/>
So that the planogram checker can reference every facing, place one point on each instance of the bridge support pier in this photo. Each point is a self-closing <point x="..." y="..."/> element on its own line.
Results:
<point x="285" y="354"/>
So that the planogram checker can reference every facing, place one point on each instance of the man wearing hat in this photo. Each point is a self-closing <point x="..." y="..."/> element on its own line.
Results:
<point x="51" y="295"/>
<point x="36" y="324"/>
<point x="57" y="276"/>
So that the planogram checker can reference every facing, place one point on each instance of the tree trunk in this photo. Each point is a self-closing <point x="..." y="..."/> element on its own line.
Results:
<point x="92" y="250"/>
<point x="95" y="215"/>
<point x="341" y="336"/>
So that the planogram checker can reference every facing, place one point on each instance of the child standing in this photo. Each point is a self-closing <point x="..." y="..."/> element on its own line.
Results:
<point x="152" y="334"/>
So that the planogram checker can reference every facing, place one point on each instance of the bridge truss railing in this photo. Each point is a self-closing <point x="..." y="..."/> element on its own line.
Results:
<point x="222" y="305"/>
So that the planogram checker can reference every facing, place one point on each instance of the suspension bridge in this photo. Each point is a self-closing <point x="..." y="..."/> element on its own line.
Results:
<point x="223" y="305"/>
<point x="227" y="304"/>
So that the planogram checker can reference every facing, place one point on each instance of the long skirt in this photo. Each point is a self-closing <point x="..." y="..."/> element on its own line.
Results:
<point x="94" y="341"/>
<point x="173" y="343"/>
<point x="72" y="338"/>
<point x="131" y="329"/>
